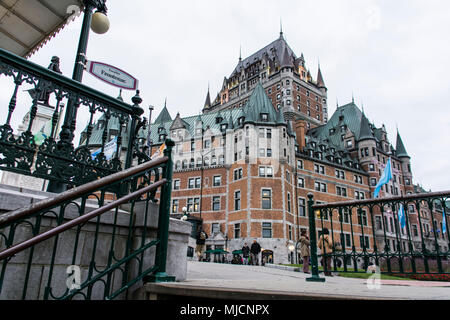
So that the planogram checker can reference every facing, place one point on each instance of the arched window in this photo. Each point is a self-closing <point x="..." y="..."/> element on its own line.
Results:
<point x="213" y="160"/>
<point x="178" y="165"/>
<point x="184" y="166"/>
<point x="191" y="164"/>
<point x="221" y="160"/>
<point x="206" y="161"/>
<point x="199" y="162"/>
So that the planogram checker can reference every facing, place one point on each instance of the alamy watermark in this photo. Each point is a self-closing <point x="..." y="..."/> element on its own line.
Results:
<point x="73" y="281"/>
<point x="374" y="281"/>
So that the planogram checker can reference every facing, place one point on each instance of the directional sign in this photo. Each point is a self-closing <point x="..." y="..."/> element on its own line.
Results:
<point x="112" y="75"/>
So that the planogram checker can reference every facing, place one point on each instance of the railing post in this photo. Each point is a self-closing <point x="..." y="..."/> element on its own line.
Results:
<point x="313" y="240"/>
<point x="137" y="112"/>
<point x="163" y="221"/>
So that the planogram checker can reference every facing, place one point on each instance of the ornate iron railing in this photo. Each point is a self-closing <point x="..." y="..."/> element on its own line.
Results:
<point x="374" y="232"/>
<point x="87" y="228"/>
<point x="57" y="159"/>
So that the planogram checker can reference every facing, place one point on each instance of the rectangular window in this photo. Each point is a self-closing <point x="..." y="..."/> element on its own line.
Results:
<point x="262" y="152"/>
<point x="269" y="153"/>
<point x="290" y="232"/>
<point x="197" y="183"/>
<point x="378" y="224"/>
<point x="238" y="174"/>
<point x="301" y="207"/>
<point x="267" y="230"/>
<point x="237" y="230"/>
<point x="176" y="185"/>
<point x="299" y="164"/>
<point x="216" y="203"/>
<point x="215" y="228"/>
<point x="300" y="182"/>
<point x="237" y="200"/>
<point x="269" y="133"/>
<point x="289" y="202"/>
<point x="217" y="181"/>
<point x="261" y="133"/>
<point x="266" y="200"/>
<point x="175" y="205"/>
<point x="191" y="183"/>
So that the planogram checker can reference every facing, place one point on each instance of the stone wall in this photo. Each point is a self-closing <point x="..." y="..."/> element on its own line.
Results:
<point x="68" y="254"/>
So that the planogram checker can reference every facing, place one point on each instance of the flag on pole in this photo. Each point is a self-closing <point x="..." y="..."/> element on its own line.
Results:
<point x="159" y="152"/>
<point x="444" y="223"/>
<point x="385" y="178"/>
<point x="402" y="216"/>
<point x="108" y="151"/>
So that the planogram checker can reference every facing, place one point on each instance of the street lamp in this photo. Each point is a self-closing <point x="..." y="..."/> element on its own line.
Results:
<point x="185" y="214"/>
<point x="99" y="24"/>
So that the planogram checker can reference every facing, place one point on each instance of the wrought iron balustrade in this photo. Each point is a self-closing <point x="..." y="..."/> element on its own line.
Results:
<point x="57" y="159"/>
<point x="87" y="227"/>
<point x="371" y="232"/>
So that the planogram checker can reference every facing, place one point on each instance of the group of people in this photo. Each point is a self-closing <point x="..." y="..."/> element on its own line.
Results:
<point x="325" y="245"/>
<point x="250" y="254"/>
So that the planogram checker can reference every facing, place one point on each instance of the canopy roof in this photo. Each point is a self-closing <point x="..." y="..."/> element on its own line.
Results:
<point x="27" y="25"/>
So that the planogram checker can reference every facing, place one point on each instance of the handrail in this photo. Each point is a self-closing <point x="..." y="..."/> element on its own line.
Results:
<point x="68" y="83"/>
<point x="409" y="197"/>
<point x="77" y="221"/>
<point x="78" y="191"/>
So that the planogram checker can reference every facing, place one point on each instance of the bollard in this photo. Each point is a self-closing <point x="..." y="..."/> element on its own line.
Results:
<point x="313" y="240"/>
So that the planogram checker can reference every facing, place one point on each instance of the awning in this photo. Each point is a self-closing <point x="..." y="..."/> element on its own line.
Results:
<point x="27" y="25"/>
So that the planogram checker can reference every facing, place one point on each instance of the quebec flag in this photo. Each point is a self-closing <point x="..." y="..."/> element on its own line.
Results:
<point x="402" y="216"/>
<point x="385" y="178"/>
<point x="109" y="150"/>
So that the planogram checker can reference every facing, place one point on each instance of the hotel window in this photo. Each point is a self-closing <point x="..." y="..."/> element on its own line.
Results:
<point x="319" y="169"/>
<point x="371" y="167"/>
<point x="301" y="207"/>
<point x="266" y="199"/>
<point x="238" y="174"/>
<point x="290" y="232"/>
<point x="237" y="230"/>
<point x="322" y="187"/>
<point x="340" y="191"/>
<point x="261" y="132"/>
<point x="192" y="145"/>
<point x="299" y="164"/>
<point x="191" y="183"/>
<point x="175" y="205"/>
<point x="300" y="182"/>
<point x="262" y="152"/>
<point x="215" y="228"/>
<point x="269" y="133"/>
<point x="267" y="230"/>
<point x="289" y="202"/>
<point x="266" y="172"/>
<point x="269" y="153"/>
<point x="264" y="117"/>
<point x="378" y="224"/>
<point x="362" y="218"/>
<point x="176" y="185"/>
<point x="217" y="180"/>
<point x="407" y="182"/>
<point x="237" y="200"/>
<point x="216" y="203"/>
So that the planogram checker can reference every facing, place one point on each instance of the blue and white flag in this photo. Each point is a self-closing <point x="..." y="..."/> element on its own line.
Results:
<point x="385" y="178"/>
<point x="444" y="221"/>
<point x="402" y="216"/>
<point x="109" y="150"/>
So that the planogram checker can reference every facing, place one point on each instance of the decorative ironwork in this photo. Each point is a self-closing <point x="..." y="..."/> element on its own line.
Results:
<point x="108" y="271"/>
<point x="57" y="159"/>
<point x="374" y="233"/>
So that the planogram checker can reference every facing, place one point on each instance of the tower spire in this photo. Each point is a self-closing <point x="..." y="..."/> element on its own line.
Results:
<point x="281" y="28"/>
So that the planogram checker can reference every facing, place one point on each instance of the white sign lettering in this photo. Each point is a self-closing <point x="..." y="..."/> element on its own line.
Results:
<point x="112" y="75"/>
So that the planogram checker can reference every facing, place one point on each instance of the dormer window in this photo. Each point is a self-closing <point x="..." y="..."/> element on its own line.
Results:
<point x="219" y="120"/>
<point x="265" y="117"/>
<point x="241" y="121"/>
<point x="162" y="137"/>
<point x="332" y="131"/>
<point x="160" y="129"/>
<point x="223" y="127"/>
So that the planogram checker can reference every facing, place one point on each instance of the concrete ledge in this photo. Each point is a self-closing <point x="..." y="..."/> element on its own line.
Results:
<point x="168" y="291"/>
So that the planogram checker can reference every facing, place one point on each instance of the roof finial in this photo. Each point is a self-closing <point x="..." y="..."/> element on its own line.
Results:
<point x="281" y="28"/>
<point x="165" y="103"/>
<point x="353" y="98"/>
<point x="240" y="53"/>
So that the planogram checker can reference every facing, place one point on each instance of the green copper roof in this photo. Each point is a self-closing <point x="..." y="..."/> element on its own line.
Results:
<point x="163" y="116"/>
<point x="365" y="132"/>
<point x="400" y="148"/>
<point x="260" y="103"/>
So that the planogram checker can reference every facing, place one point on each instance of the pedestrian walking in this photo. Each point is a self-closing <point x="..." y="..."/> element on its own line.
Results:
<point x="326" y="247"/>
<point x="245" y="253"/>
<point x="305" y="251"/>
<point x="201" y="239"/>
<point x="254" y="252"/>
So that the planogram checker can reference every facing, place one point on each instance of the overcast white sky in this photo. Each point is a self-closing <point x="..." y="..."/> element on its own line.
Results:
<point x="392" y="55"/>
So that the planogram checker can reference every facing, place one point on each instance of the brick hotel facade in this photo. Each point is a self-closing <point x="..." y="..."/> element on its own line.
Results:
<point x="246" y="164"/>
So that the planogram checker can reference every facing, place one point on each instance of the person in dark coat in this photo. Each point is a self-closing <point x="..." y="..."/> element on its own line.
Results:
<point x="245" y="253"/>
<point x="254" y="252"/>
<point x="201" y="239"/>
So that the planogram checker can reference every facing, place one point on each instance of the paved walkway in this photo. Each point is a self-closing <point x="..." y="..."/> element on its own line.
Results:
<point x="257" y="282"/>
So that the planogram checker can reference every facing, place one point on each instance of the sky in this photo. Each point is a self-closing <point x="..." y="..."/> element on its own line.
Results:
<point x="390" y="56"/>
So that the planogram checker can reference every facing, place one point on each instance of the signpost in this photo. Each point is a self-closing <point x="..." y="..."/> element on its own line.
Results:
<point x="112" y="75"/>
